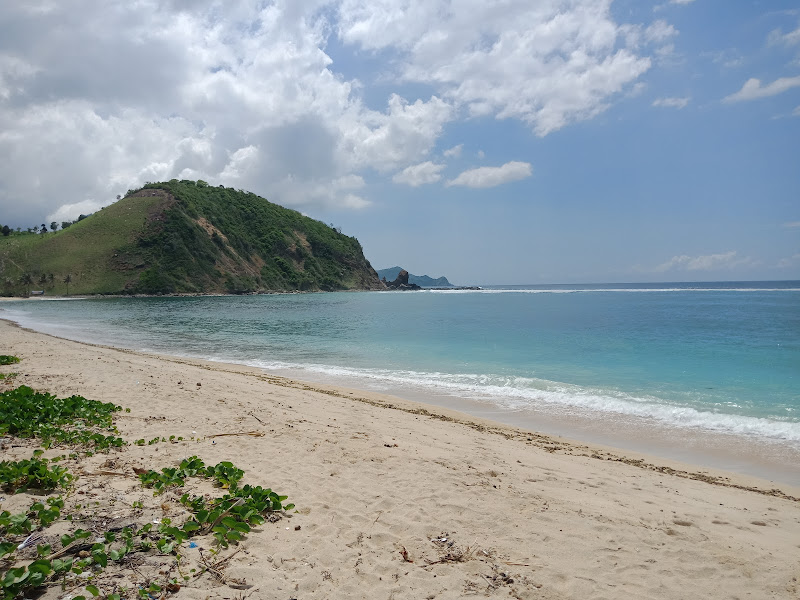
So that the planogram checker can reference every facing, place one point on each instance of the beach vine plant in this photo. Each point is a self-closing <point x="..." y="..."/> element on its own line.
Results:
<point x="84" y="555"/>
<point x="5" y="359"/>
<point x="36" y="472"/>
<point x="59" y="421"/>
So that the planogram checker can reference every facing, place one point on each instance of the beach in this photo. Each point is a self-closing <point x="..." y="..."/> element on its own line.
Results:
<point x="396" y="499"/>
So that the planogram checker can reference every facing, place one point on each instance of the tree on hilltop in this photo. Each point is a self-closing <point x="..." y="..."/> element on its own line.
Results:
<point x="6" y="230"/>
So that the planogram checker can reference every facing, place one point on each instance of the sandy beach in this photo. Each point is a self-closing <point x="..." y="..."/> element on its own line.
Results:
<point x="401" y="500"/>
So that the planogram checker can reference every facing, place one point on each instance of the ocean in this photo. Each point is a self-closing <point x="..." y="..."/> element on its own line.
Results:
<point x="703" y="372"/>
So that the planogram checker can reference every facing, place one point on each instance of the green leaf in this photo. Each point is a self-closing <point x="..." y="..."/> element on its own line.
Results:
<point x="239" y="526"/>
<point x="100" y="558"/>
<point x="229" y="522"/>
<point x="61" y="564"/>
<point x="14" y="576"/>
<point x="93" y="590"/>
<point x="41" y="566"/>
<point x="202" y="516"/>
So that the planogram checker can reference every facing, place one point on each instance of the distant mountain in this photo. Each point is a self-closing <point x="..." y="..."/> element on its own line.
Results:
<point x="421" y="280"/>
<point x="186" y="237"/>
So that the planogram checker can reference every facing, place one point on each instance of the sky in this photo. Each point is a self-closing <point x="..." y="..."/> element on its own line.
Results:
<point x="490" y="141"/>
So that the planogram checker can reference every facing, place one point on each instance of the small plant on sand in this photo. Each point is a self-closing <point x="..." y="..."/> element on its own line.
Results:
<point x="8" y="360"/>
<point x="18" y="476"/>
<point x="74" y="420"/>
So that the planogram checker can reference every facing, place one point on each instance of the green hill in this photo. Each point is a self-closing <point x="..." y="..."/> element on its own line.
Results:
<point x="186" y="237"/>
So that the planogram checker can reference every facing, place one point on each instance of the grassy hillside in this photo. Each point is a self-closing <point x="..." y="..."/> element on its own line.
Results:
<point x="186" y="237"/>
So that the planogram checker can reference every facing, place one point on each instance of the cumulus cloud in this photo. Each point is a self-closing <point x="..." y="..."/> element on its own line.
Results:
<point x="753" y="90"/>
<point x="708" y="262"/>
<point x="420" y="174"/>
<point x="671" y="102"/>
<point x="99" y="98"/>
<point x="546" y="63"/>
<point x="486" y="177"/>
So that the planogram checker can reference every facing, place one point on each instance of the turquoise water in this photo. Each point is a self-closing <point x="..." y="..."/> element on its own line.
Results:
<point x="699" y="357"/>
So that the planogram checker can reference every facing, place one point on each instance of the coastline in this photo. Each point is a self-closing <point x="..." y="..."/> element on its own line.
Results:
<point x="374" y="476"/>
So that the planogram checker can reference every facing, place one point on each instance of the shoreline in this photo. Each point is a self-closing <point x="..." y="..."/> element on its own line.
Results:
<point x="448" y="413"/>
<point x="396" y="499"/>
<point x="772" y="461"/>
<point x="765" y="459"/>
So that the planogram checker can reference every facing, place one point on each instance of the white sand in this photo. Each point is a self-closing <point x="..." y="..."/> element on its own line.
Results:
<point x="376" y="478"/>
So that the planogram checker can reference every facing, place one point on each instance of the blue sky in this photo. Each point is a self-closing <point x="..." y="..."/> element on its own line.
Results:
<point x="491" y="142"/>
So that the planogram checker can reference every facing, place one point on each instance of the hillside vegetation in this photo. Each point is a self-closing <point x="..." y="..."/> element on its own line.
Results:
<point x="186" y="237"/>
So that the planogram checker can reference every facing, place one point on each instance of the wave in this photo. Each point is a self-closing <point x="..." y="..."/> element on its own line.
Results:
<point x="521" y="393"/>
<point x="602" y="290"/>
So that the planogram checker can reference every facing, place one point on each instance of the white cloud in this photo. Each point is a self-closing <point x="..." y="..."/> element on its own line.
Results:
<point x="659" y="7"/>
<point x="753" y="90"/>
<point x="791" y="38"/>
<point x="659" y="31"/>
<point x="671" y="102"/>
<point x="407" y="131"/>
<point x="708" y="262"/>
<point x="546" y="63"/>
<point x="70" y="212"/>
<point x="792" y="224"/>
<point x="486" y="177"/>
<point x="355" y="202"/>
<point x="420" y="174"/>
<point x="796" y="112"/>
<point x="453" y="152"/>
